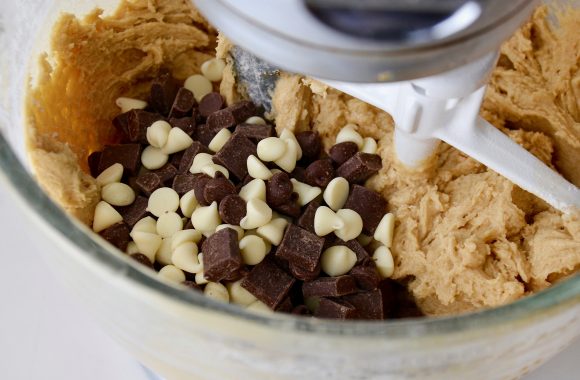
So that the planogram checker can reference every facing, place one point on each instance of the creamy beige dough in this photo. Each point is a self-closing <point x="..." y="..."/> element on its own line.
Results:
<point x="465" y="238"/>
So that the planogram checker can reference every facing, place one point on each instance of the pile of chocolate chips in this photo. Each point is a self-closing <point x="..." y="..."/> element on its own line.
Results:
<point x="289" y="278"/>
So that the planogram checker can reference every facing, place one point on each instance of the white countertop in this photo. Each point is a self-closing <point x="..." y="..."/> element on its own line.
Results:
<point x="45" y="335"/>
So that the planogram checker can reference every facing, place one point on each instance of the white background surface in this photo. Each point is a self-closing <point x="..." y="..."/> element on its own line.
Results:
<point x="45" y="335"/>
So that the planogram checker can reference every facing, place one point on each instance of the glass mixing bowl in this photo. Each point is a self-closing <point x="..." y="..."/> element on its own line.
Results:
<point x="180" y="334"/>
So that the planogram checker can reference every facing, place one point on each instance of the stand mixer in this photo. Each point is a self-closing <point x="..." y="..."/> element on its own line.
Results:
<point x="425" y="62"/>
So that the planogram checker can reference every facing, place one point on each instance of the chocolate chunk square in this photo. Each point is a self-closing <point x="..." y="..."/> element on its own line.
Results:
<point x="304" y="274"/>
<point x="310" y="144"/>
<point x="218" y="188"/>
<point x="320" y="173"/>
<point x="147" y="183"/>
<point x="334" y="309"/>
<point x="221" y="255"/>
<point x="268" y="283"/>
<point x="234" y="155"/>
<point x="186" y="124"/>
<point x="232" y="209"/>
<point x="366" y="275"/>
<point x="118" y="235"/>
<point x="285" y="306"/>
<point x="342" y="152"/>
<point x="134" y="212"/>
<point x="306" y="220"/>
<point x="189" y="154"/>
<point x="183" y="103"/>
<point x="301" y="248"/>
<point x="360" y="167"/>
<point x="370" y="205"/>
<point x="211" y="103"/>
<point x="182" y="183"/>
<point x="128" y="155"/>
<point x="138" y="122"/>
<point x="242" y="110"/>
<point x="121" y="123"/>
<point x="93" y="161"/>
<point x="368" y="305"/>
<point x="329" y="287"/>
<point x="163" y="91"/>
<point x="220" y="119"/>
<point x="255" y="132"/>
<point x="204" y="134"/>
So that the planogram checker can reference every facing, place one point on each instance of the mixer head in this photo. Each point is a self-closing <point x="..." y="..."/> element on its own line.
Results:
<point x="368" y="40"/>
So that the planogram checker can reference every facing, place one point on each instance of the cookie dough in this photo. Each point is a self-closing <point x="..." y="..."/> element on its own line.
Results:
<point x="465" y="239"/>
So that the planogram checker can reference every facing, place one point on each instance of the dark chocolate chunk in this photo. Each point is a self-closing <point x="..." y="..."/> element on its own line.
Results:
<point x="329" y="287"/>
<point x="301" y="248"/>
<point x="255" y="132"/>
<point x="291" y="208"/>
<point x="183" y="103"/>
<point x="134" y="212"/>
<point x="237" y="275"/>
<point x="199" y="183"/>
<point x="310" y="144"/>
<point x="370" y="205"/>
<point x="211" y="103"/>
<point x="242" y="110"/>
<point x="183" y="183"/>
<point x="128" y="155"/>
<point x="342" y="152"/>
<point x="186" y="124"/>
<point x="142" y="259"/>
<point x="320" y="173"/>
<point x="268" y="283"/>
<point x="304" y="274"/>
<point x="93" y="161"/>
<point x="232" y="209"/>
<point x="149" y="182"/>
<point x="306" y="220"/>
<point x="234" y="155"/>
<point x="221" y="255"/>
<point x="163" y="91"/>
<point x="279" y="189"/>
<point x="285" y="306"/>
<point x="175" y="159"/>
<point x="334" y="309"/>
<point x="360" y="167"/>
<point x="368" y="305"/>
<point x="189" y="154"/>
<point x="220" y="119"/>
<point x="204" y="134"/>
<point x="138" y="122"/>
<point x="121" y="123"/>
<point x="166" y="173"/>
<point x="118" y="235"/>
<point x="218" y="188"/>
<point x="366" y="275"/>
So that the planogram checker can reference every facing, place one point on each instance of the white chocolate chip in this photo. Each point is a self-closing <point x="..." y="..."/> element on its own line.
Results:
<point x="112" y="174"/>
<point x="252" y="249"/>
<point x="185" y="236"/>
<point x="364" y="240"/>
<point x="216" y="291"/>
<point x="164" y="253"/>
<point x="128" y="104"/>
<point x="168" y="224"/>
<point x="199" y="161"/>
<point x="258" y="213"/>
<point x="257" y="169"/>
<point x="349" y="133"/>
<point x="185" y="258"/>
<point x="206" y="218"/>
<point x="306" y="193"/>
<point x="337" y="260"/>
<point x="213" y="69"/>
<point x="271" y="149"/>
<point x="353" y="224"/>
<point x="287" y="136"/>
<point x="118" y="194"/>
<point x="163" y="200"/>
<point x="177" y="141"/>
<point x="369" y="145"/>
<point x="238" y="229"/>
<point x="132" y="248"/>
<point x="188" y="203"/>
<point x="288" y="161"/>
<point x="212" y="169"/>
<point x="200" y="278"/>
<point x="326" y="221"/>
<point x="255" y="120"/>
<point x="273" y="231"/>
<point x="153" y="158"/>
<point x="158" y="133"/>
<point x="199" y="85"/>
<point x="336" y="193"/>
<point x="219" y="140"/>
<point x="146" y="224"/>
<point x="239" y="295"/>
<point x="255" y="189"/>
<point x="105" y="216"/>
<point x="384" y="260"/>
<point x="385" y="230"/>
<point x="147" y="243"/>
<point x="172" y="273"/>
<point x="259" y="307"/>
